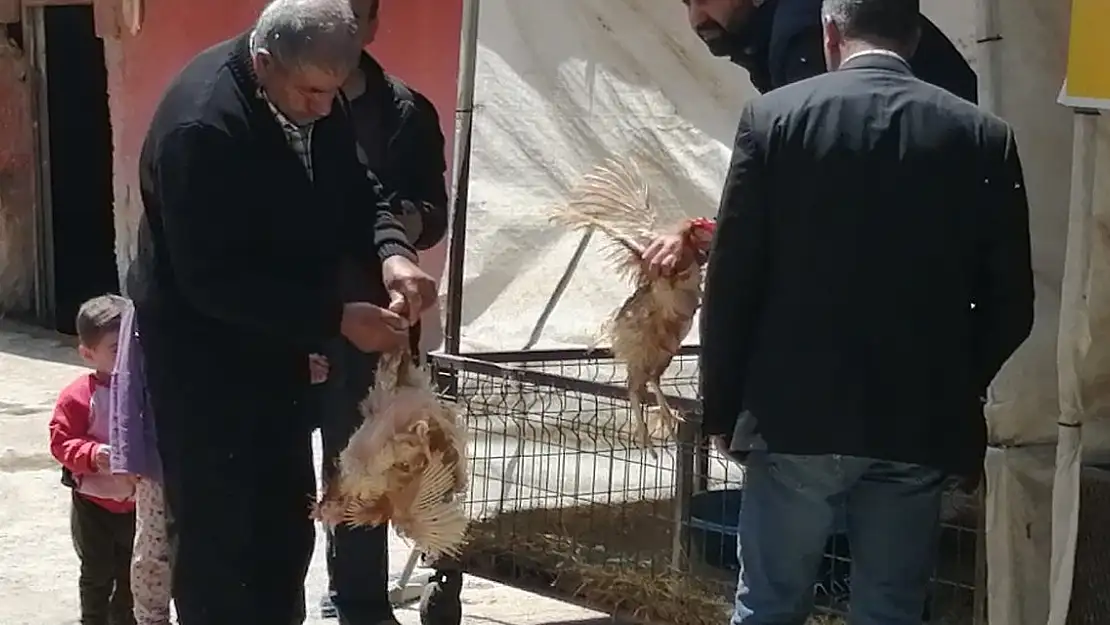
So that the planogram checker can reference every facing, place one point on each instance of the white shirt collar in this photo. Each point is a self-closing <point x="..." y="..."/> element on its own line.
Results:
<point x="876" y="51"/>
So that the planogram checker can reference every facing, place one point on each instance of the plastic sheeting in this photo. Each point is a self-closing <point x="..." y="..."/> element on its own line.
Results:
<point x="562" y="85"/>
<point x="1019" y="534"/>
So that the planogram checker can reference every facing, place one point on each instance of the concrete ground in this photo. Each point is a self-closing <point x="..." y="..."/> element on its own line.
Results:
<point x="38" y="569"/>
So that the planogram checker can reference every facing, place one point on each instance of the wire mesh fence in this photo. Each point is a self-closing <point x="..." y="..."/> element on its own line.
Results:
<point x="564" y="499"/>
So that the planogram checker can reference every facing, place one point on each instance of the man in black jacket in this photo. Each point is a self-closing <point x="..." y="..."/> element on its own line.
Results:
<point x="252" y="195"/>
<point x="400" y="140"/>
<point x="779" y="42"/>
<point x="870" y="275"/>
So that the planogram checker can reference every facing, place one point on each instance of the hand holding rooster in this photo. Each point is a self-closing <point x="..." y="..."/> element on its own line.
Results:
<point x="671" y="253"/>
<point x="665" y="271"/>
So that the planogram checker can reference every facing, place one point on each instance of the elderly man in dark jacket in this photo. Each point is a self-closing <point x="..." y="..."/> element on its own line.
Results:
<point x="399" y="139"/>
<point x="253" y="195"/>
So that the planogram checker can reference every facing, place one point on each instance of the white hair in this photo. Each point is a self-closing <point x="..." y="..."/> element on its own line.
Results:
<point x="316" y="33"/>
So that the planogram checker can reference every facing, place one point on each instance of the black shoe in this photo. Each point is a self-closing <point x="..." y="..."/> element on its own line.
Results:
<point x="329" y="611"/>
<point x="440" y="603"/>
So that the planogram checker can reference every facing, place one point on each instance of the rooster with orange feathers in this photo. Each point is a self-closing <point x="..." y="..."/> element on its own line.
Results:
<point x="647" y="330"/>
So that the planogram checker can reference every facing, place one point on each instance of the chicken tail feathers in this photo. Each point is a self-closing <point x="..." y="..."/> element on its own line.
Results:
<point x="615" y="199"/>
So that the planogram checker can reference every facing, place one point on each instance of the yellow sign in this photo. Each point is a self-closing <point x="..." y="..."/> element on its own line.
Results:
<point x="1088" y="79"/>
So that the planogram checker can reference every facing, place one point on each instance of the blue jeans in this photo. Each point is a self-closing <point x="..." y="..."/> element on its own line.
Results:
<point x="788" y="511"/>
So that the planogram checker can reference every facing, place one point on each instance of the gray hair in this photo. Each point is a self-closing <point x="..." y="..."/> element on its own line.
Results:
<point x="895" y="21"/>
<point x="314" y="33"/>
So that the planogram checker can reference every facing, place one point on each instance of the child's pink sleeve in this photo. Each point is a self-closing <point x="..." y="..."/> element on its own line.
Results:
<point x="69" y="430"/>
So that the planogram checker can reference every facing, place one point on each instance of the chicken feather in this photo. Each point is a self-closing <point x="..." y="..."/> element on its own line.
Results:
<point x="406" y="463"/>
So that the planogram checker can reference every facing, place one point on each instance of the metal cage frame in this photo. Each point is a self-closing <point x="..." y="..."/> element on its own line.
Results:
<point x="692" y="457"/>
<point x="564" y="390"/>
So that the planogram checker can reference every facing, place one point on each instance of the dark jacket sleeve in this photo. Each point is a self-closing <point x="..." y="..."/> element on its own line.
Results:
<point x="1003" y="297"/>
<point x="209" y="217"/>
<point x="422" y="203"/>
<point x="735" y="282"/>
<point x="381" y="225"/>
<point x="801" y="56"/>
<point x="388" y="230"/>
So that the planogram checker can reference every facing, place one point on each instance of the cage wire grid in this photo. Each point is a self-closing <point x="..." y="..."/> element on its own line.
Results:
<point x="564" y="500"/>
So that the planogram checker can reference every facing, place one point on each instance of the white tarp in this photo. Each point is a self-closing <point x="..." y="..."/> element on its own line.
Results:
<point x="563" y="85"/>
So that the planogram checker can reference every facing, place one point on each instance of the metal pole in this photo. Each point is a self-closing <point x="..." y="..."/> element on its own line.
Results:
<point x="989" y="37"/>
<point x="464" y="117"/>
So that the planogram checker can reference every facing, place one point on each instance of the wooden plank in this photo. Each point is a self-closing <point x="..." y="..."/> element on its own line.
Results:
<point x="107" y="14"/>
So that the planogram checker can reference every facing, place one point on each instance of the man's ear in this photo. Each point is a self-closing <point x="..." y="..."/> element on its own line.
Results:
<point x="914" y="42"/>
<point x="831" y="38"/>
<point x="371" y="30"/>
<point x="263" y="64"/>
<point x="831" y="32"/>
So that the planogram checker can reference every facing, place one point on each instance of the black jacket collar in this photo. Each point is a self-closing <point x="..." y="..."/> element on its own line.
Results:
<point x="242" y="70"/>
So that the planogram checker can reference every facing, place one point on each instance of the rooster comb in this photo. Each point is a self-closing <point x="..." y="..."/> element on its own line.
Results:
<point x="701" y="223"/>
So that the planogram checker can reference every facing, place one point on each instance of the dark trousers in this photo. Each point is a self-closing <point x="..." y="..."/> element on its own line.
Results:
<point x="239" y="483"/>
<point x="103" y="541"/>
<point x="357" y="558"/>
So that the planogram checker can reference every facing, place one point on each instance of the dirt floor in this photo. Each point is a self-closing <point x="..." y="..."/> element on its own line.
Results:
<point x="38" y="570"/>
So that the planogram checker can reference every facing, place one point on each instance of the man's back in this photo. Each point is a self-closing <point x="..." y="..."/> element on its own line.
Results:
<point x="869" y="275"/>
<point x="883" y="209"/>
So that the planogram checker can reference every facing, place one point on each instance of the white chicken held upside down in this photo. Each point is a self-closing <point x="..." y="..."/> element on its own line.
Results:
<point x="647" y="330"/>
<point x="406" y="463"/>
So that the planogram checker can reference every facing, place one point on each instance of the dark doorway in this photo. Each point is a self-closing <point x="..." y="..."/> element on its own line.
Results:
<point x="80" y="173"/>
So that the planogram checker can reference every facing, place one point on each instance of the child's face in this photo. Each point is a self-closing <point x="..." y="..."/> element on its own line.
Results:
<point x="102" y="356"/>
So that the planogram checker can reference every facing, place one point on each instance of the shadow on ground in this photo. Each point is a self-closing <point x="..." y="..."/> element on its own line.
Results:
<point x="27" y="341"/>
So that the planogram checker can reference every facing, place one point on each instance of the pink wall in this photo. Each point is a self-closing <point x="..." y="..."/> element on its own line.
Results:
<point x="418" y="40"/>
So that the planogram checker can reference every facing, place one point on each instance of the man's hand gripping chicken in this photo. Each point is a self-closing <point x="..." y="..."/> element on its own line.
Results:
<point x="647" y="330"/>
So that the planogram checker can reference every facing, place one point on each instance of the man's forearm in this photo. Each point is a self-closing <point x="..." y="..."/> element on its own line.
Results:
<point x="425" y="221"/>
<point x="390" y="237"/>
